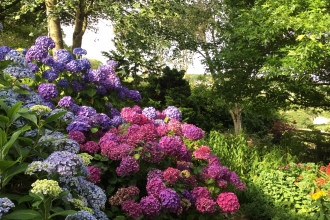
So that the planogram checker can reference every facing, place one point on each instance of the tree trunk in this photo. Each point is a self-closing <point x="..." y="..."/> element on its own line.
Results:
<point x="54" y="25"/>
<point x="80" y="25"/>
<point x="236" y="115"/>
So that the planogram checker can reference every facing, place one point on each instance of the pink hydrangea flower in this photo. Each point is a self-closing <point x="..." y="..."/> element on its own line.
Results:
<point x="202" y="153"/>
<point x="206" y="205"/>
<point x="228" y="202"/>
<point x="171" y="175"/>
<point x="154" y="186"/>
<point x="90" y="147"/>
<point x="132" y="208"/>
<point x="201" y="191"/>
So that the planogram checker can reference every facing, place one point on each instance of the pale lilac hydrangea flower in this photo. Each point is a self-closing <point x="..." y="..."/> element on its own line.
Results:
<point x="79" y="51"/>
<point x="66" y="101"/>
<point x="173" y="112"/>
<point x="192" y="132"/>
<point x="45" y="42"/>
<point x="170" y="200"/>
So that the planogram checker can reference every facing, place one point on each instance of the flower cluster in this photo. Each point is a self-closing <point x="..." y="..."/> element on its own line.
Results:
<point x="46" y="187"/>
<point x="5" y="205"/>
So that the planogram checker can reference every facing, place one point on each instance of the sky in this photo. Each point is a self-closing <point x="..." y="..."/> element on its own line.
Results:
<point x="95" y="43"/>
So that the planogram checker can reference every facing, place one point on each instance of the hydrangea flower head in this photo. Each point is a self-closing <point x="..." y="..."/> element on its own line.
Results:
<point x="171" y="175"/>
<point x="36" y="53"/>
<point x="46" y="187"/>
<point x="5" y="204"/>
<point x="40" y="109"/>
<point x="192" y="132"/>
<point x="228" y="202"/>
<point x="47" y="91"/>
<point x="79" y="51"/>
<point x="150" y="112"/>
<point x="45" y="42"/>
<point x="170" y="199"/>
<point x="171" y="144"/>
<point x="86" y="111"/>
<point x="132" y="208"/>
<point x="173" y="112"/>
<point x="154" y="186"/>
<point x="206" y="205"/>
<point x="94" y="174"/>
<point x="91" y="147"/>
<point x="202" y="153"/>
<point x="80" y="123"/>
<point x="63" y="83"/>
<point x="127" y="166"/>
<point x="150" y="206"/>
<point x="77" y="136"/>
<point x="81" y="215"/>
<point x="50" y="75"/>
<point x="66" y="101"/>
<point x="63" y="56"/>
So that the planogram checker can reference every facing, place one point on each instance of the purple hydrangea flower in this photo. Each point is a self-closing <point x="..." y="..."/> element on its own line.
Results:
<point x="80" y="123"/>
<point x="170" y="199"/>
<point x="84" y="64"/>
<point x="155" y="173"/>
<point x="73" y="66"/>
<point x="77" y="136"/>
<point x="150" y="112"/>
<point x="87" y="111"/>
<point x="171" y="144"/>
<point x="189" y="196"/>
<point x="134" y="95"/>
<point x="36" y="53"/>
<point x="79" y="51"/>
<point x="127" y="166"/>
<point x="192" y="132"/>
<point x="152" y="152"/>
<point x="173" y="112"/>
<point x="33" y="67"/>
<point x="102" y="120"/>
<point x="63" y="83"/>
<point x="47" y="91"/>
<point x="235" y="180"/>
<point x="112" y="63"/>
<point x="63" y="56"/>
<point x="66" y="101"/>
<point x="58" y="66"/>
<point x="150" y="206"/>
<point x="49" y="61"/>
<point x="101" y="90"/>
<point x="50" y="75"/>
<point x="77" y="86"/>
<point x="45" y="42"/>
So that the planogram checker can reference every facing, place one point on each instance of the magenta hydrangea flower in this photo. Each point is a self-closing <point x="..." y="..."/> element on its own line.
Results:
<point x="91" y="147"/>
<point x="106" y="147"/>
<point x="171" y="175"/>
<point x="206" y="205"/>
<point x="148" y="132"/>
<point x="154" y="186"/>
<point x="66" y="101"/>
<point x="192" y="132"/>
<point x="214" y="160"/>
<point x="162" y="129"/>
<point x="173" y="112"/>
<point x="128" y="165"/>
<point x="228" y="202"/>
<point x="155" y="173"/>
<point x="170" y="200"/>
<point x="77" y="136"/>
<point x="94" y="174"/>
<point x="151" y="207"/>
<point x="152" y="152"/>
<point x="47" y="91"/>
<point x="202" y="153"/>
<point x="120" y="151"/>
<point x="171" y="144"/>
<point x="132" y="208"/>
<point x="201" y="191"/>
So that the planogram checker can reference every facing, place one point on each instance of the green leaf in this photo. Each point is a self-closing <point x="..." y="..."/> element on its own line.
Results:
<point x="25" y="199"/>
<point x="91" y="92"/>
<point x="4" y="119"/>
<point x="3" y="138"/>
<point x="94" y="130"/>
<point x="137" y="156"/>
<point x="5" y="164"/>
<point x="12" y="171"/>
<point x="64" y="213"/>
<point x="54" y="117"/>
<point x="13" y="110"/>
<point x="24" y="214"/>
<point x="29" y="116"/>
<point x="10" y="143"/>
<point x="120" y="217"/>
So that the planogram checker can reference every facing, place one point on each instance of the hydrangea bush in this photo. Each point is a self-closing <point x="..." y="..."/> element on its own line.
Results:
<point x="87" y="158"/>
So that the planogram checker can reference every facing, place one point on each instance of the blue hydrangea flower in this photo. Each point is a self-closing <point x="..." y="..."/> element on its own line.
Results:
<point x="79" y="51"/>
<point x="4" y="49"/>
<point x="134" y="95"/>
<point x="102" y="120"/>
<point x="66" y="144"/>
<point x="117" y="120"/>
<point x="77" y="86"/>
<point x="63" y="56"/>
<point x="63" y="83"/>
<point x="84" y="64"/>
<point x="81" y="215"/>
<point x="49" y="61"/>
<point x="67" y="164"/>
<point x="58" y="66"/>
<point x="33" y="67"/>
<point x="50" y="75"/>
<point x="67" y="117"/>
<point x="39" y="166"/>
<point x="19" y="72"/>
<point x="95" y="196"/>
<point x="5" y="205"/>
<point x="45" y="42"/>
